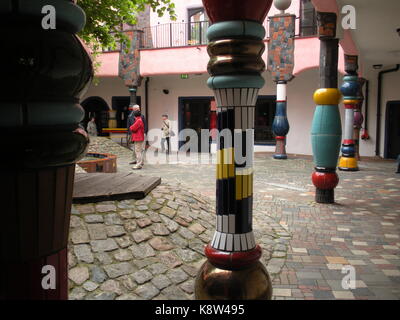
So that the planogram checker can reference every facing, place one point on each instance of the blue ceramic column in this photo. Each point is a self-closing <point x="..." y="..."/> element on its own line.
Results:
<point x="281" y="65"/>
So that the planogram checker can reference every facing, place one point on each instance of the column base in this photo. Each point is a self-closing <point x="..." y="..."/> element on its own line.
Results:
<point x="348" y="164"/>
<point x="325" y="195"/>
<point x="280" y="156"/>
<point x="280" y="150"/>
<point x="251" y="283"/>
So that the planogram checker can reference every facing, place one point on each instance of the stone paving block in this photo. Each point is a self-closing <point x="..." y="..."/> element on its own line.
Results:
<point x="79" y="236"/>
<point x="93" y="218"/>
<point x="103" y="245"/>
<point x="323" y="295"/>
<point x="118" y="269"/>
<point x="83" y="253"/>
<point x="278" y="292"/>
<point x="147" y="291"/>
<point x="142" y="276"/>
<point x="336" y="260"/>
<point x="391" y="273"/>
<point x="347" y="295"/>
<point x="161" y="281"/>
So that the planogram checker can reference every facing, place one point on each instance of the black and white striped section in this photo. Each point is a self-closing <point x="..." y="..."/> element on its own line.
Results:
<point x="233" y="242"/>
<point x="239" y="97"/>
<point x="235" y="119"/>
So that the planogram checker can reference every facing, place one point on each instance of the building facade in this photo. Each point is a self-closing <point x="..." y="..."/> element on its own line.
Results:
<point x="173" y="67"/>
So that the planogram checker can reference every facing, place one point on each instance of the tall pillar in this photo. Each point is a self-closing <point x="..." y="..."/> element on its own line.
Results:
<point x="129" y="64"/>
<point x="350" y="91"/>
<point x="326" y="131"/>
<point x="358" y="117"/>
<point x="281" y="65"/>
<point x="233" y="270"/>
<point x="47" y="71"/>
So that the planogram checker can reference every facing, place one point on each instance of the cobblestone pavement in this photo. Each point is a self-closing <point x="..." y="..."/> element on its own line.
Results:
<point x="305" y="244"/>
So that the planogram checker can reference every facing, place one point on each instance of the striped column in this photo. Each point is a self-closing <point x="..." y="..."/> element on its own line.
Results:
<point x="350" y="90"/>
<point x="326" y="131"/>
<point x="233" y="270"/>
<point x="235" y="169"/>
<point x="236" y="96"/>
<point x="280" y="126"/>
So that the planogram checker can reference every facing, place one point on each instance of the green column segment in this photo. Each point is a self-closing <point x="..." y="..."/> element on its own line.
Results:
<point x="326" y="134"/>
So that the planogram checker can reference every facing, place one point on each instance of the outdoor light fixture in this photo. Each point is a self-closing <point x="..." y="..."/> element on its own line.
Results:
<point x="398" y="31"/>
<point x="377" y="66"/>
<point x="165" y="91"/>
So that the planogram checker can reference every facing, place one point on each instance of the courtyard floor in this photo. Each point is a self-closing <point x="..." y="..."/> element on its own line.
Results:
<point x="306" y="245"/>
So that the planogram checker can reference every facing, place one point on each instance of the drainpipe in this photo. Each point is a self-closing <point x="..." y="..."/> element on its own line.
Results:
<point x="365" y="135"/>
<point x="146" y="97"/>
<point x="379" y="107"/>
<point x="366" y="105"/>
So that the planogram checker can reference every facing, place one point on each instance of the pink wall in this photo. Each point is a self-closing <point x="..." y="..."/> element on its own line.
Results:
<point x="109" y="62"/>
<point x="178" y="60"/>
<point x="193" y="60"/>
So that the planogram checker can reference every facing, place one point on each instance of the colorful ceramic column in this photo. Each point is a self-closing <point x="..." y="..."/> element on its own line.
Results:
<point x="47" y="71"/>
<point x="233" y="270"/>
<point x="281" y="64"/>
<point x="350" y="91"/>
<point x="326" y="131"/>
<point x="358" y="117"/>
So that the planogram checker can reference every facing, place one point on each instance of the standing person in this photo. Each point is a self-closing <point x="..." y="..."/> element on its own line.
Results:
<point x="92" y="127"/>
<point x="137" y="138"/>
<point x="166" y="133"/>
<point x="130" y="122"/>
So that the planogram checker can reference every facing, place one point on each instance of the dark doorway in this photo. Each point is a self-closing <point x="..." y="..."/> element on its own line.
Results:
<point x="197" y="113"/>
<point x="121" y="104"/>
<point x="98" y="108"/>
<point x="264" y="117"/>
<point x="392" y="139"/>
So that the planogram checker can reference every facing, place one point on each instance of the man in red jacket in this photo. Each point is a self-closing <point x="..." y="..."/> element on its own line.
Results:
<point x="137" y="139"/>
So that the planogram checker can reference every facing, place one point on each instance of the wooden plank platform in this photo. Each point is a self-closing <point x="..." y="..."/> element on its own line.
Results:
<point x="96" y="187"/>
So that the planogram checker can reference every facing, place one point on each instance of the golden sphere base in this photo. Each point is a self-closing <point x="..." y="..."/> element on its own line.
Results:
<point x="252" y="283"/>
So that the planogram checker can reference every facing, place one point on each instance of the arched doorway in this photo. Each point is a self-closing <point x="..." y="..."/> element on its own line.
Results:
<point x="97" y="107"/>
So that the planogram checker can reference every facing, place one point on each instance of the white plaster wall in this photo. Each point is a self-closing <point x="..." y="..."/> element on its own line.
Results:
<point x="390" y="92"/>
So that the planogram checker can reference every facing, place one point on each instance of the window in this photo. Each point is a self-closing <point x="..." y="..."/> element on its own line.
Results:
<point x="308" y="19"/>
<point x="264" y="117"/>
<point x="198" y="25"/>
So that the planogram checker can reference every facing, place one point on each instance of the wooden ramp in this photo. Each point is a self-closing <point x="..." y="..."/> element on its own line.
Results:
<point x="96" y="187"/>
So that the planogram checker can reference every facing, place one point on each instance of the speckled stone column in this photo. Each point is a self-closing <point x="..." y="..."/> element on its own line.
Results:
<point x="47" y="72"/>
<point x="326" y="131"/>
<point x="129" y="64"/>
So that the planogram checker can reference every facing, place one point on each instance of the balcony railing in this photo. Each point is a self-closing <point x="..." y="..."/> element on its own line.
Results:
<point x="195" y="33"/>
<point x="175" y="35"/>
<point x="184" y="34"/>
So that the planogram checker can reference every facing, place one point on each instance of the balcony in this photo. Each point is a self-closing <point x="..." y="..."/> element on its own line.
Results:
<point x="184" y="34"/>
